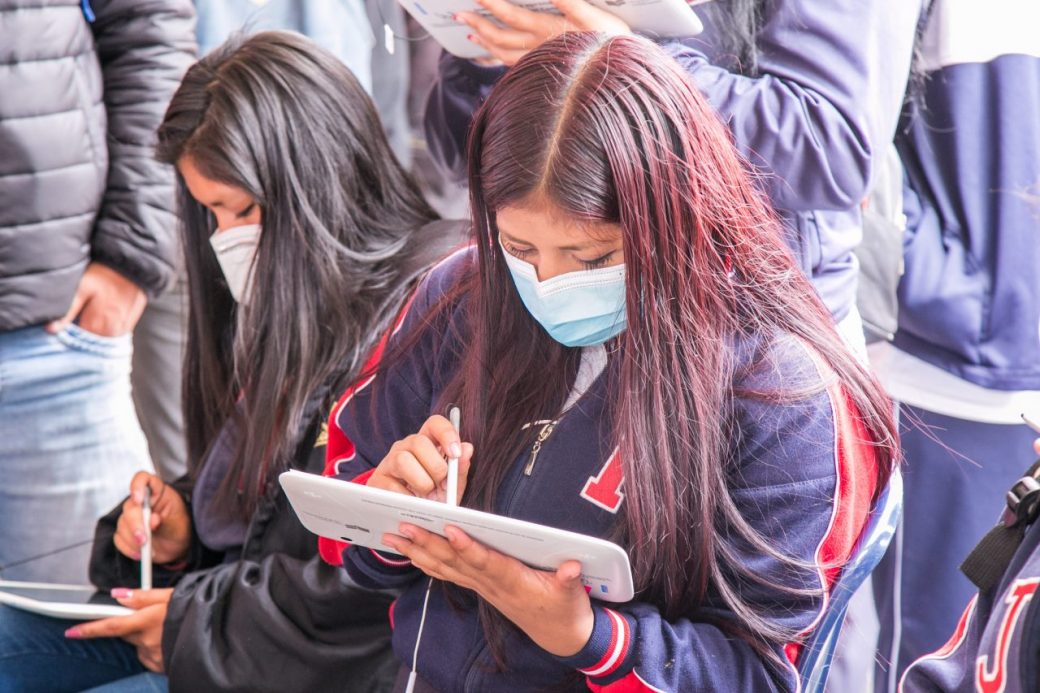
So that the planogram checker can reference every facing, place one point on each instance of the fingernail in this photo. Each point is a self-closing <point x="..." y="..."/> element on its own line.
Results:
<point x="140" y="537"/>
<point x="406" y="532"/>
<point x="139" y="496"/>
<point x="471" y="37"/>
<point x="455" y="449"/>
<point x="73" y="633"/>
<point x="121" y="593"/>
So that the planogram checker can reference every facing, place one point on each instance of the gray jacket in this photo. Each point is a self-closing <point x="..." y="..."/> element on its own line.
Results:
<point x="83" y="87"/>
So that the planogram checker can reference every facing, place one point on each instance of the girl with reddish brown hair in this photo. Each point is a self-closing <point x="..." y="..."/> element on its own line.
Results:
<point x="636" y="357"/>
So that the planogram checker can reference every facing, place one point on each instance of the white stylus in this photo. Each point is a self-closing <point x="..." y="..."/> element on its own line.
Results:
<point x="146" y="547"/>
<point x="1032" y="424"/>
<point x="453" y="462"/>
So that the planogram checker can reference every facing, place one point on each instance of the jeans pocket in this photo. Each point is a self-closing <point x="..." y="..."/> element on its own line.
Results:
<point x="75" y="337"/>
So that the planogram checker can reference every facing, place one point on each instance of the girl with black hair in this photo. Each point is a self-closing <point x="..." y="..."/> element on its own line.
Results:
<point x="303" y="237"/>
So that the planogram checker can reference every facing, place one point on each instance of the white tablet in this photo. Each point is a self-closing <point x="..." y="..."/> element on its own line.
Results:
<point x="653" y="18"/>
<point x="78" y="602"/>
<point x="360" y="515"/>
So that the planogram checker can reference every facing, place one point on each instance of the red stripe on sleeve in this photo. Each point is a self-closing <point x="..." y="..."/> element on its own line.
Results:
<point x="856" y="468"/>
<point x="340" y="448"/>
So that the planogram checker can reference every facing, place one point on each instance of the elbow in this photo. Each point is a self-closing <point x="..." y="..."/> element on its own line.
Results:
<point x="832" y="181"/>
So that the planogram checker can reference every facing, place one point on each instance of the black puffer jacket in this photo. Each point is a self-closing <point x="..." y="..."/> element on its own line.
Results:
<point x="83" y="87"/>
<point x="278" y="619"/>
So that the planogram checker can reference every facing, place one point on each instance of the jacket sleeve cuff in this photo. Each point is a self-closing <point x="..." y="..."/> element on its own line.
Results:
<point x="478" y="75"/>
<point x="153" y="281"/>
<point x="609" y="648"/>
<point x="376" y="569"/>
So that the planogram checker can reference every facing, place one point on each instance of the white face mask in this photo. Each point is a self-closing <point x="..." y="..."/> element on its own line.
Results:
<point x="236" y="253"/>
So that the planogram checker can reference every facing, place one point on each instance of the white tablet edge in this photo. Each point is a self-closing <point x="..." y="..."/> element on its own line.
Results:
<point x="66" y="610"/>
<point x="466" y="516"/>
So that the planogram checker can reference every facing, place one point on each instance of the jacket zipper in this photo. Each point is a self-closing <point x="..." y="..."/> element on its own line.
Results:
<point x="543" y="434"/>
<point x="547" y="427"/>
<point x="533" y="456"/>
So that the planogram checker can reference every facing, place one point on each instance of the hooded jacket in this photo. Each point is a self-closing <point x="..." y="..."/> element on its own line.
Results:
<point x="813" y="118"/>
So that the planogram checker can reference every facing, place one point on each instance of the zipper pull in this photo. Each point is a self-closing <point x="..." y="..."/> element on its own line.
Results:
<point x="546" y="431"/>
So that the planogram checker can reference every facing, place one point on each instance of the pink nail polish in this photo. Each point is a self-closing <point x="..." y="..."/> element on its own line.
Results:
<point x="139" y="537"/>
<point x="121" y="593"/>
<point x="72" y="633"/>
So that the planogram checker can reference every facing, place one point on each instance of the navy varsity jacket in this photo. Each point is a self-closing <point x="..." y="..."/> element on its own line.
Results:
<point x="801" y="473"/>
<point x="996" y="645"/>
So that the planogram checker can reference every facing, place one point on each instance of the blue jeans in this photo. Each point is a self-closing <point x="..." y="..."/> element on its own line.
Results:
<point x="36" y="657"/>
<point x="69" y="444"/>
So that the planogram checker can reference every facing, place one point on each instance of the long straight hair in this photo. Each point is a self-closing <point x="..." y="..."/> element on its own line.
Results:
<point x="737" y="31"/>
<point x="286" y="121"/>
<point x="611" y="130"/>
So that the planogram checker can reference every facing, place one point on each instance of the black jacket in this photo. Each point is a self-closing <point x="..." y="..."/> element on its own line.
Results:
<point x="279" y="619"/>
<point x="80" y="102"/>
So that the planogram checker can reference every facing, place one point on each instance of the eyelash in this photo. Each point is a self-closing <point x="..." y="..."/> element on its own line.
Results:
<point x="588" y="264"/>
<point x="598" y="262"/>
<point x="516" y="252"/>
<point x="246" y="212"/>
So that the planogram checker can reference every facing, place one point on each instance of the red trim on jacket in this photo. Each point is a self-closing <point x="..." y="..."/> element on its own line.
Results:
<point x="857" y="469"/>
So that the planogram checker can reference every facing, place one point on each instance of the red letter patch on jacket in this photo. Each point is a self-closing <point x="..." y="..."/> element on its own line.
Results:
<point x="603" y="489"/>
<point x="993" y="680"/>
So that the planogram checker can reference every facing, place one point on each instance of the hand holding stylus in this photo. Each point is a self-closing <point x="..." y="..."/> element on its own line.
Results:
<point x="169" y="522"/>
<point x="418" y="465"/>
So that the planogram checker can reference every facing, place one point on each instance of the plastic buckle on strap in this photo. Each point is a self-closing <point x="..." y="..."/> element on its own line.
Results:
<point x="1023" y="503"/>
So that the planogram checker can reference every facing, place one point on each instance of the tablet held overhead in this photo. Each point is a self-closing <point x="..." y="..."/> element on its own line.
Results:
<point x="653" y="18"/>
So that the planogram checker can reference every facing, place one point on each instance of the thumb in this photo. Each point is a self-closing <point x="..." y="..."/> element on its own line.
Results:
<point x="568" y="575"/>
<point x="138" y="599"/>
<point x="61" y="323"/>
<point x="141" y="481"/>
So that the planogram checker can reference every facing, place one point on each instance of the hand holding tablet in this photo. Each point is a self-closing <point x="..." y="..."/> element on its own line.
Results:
<point x="441" y="18"/>
<point x="81" y="602"/>
<point x="361" y="515"/>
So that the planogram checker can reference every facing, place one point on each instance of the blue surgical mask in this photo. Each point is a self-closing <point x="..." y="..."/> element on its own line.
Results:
<point x="577" y="309"/>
